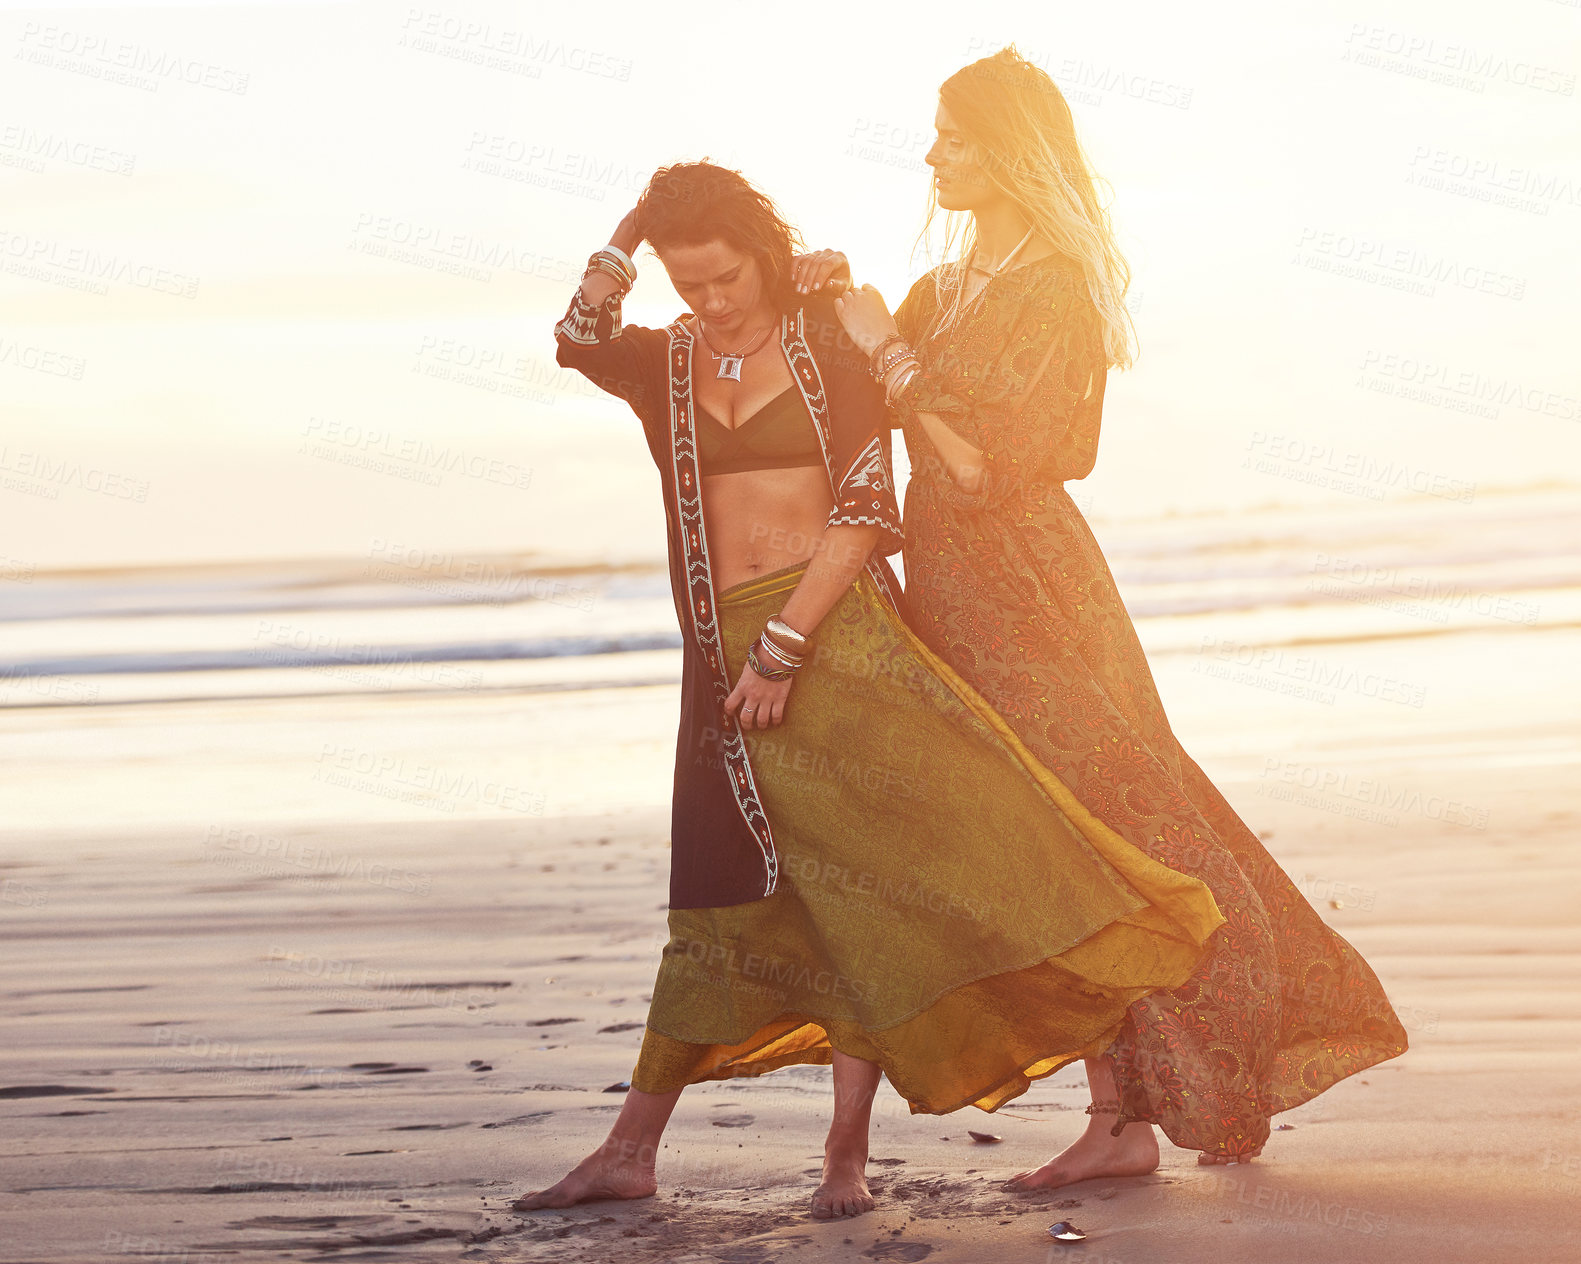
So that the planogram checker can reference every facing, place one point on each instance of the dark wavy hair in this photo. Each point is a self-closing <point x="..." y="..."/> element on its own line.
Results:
<point x="694" y="203"/>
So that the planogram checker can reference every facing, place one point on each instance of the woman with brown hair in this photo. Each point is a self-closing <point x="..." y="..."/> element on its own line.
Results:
<point x="868" y="868"/>
<point x="995" y="364"/>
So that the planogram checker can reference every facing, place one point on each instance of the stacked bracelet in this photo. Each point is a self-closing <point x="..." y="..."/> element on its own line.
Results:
<point x="765" y="670"/>
<point x="776" y="656"/>
<point x="785" y="636"/>
<point x="879" y="349"/>
<point x="779" y="651"/>
<point x="897" y="385"/>
<point x="884" y="360"/>
<point x="615" y="264"/>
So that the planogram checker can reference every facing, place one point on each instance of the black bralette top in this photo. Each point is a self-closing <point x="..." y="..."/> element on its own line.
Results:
<point x="778" y="436"/>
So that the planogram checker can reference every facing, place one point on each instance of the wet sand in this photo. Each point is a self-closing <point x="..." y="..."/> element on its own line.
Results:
<point x="258" y="1010"/>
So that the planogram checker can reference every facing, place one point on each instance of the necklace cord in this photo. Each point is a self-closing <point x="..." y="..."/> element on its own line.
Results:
<point x="703" y="329"/>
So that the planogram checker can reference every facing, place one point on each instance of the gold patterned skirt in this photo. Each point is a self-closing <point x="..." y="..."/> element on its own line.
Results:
<point x="946" y="908"/>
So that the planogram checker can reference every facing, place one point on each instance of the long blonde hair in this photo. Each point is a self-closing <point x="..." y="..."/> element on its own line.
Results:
<point x="1020" y="125"/>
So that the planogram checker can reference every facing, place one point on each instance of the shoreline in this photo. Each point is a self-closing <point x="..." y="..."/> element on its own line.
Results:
<point x="253" y="1012"/>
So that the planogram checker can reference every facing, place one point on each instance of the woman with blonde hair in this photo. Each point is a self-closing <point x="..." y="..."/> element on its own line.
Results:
<point x="995" y="365"/>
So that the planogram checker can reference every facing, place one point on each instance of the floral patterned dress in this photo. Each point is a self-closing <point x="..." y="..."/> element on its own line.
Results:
<point x="1007" y="584"/>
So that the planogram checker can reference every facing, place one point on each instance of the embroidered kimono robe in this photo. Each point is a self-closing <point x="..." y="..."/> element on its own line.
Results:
<point x="722" y="842"/>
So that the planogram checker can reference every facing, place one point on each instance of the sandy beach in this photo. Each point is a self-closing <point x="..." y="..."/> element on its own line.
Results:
<point x="339" y="666"/>
<point x="262" y="1005"/>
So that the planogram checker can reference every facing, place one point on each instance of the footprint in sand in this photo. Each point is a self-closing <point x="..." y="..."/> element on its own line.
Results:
<point x="537" y="1116"/>
<point x="733" y="1121"/>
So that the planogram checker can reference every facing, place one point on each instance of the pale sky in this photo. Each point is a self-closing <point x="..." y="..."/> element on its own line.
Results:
<point x="248" y="249"/>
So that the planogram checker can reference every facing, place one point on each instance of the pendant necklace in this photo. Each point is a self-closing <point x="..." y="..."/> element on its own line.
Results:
<point x="996" y="270"/>
<point x="730" y="361"/>
<point x="999" y="267"/>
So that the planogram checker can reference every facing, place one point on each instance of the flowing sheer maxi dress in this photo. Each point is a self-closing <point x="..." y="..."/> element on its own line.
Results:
<point x="1007" y="584"/>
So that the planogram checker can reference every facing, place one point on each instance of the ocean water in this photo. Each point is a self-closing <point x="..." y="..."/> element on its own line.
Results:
<point x="407" y="619"/>
<point x="339" y="456"/>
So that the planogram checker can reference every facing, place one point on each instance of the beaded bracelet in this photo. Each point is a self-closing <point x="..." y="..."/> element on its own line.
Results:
<point x="768" y="673"/>
<point x="879" y="349"/>
<point x="890" y="359"/>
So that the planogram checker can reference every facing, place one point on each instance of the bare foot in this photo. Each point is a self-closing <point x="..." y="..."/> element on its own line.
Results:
<point x="844" y="1190"/>
<point x="1095" y="1153"/>
<point x="1210" y="1160"/>
<point x="606" y="1173"/>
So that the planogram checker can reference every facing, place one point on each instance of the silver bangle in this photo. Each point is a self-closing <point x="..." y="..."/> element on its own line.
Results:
<point x="791" y="661"/>
<point x="897" y="386"/>
<point x="607" y="267"/>
<point x="625" y="261"/>
<point x="780" y="628"/>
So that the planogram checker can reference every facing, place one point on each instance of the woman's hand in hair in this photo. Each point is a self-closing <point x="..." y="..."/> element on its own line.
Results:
<point x="627" y="235"/>
<point x="821" y="270"/>
<point x="866" y="317"/>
